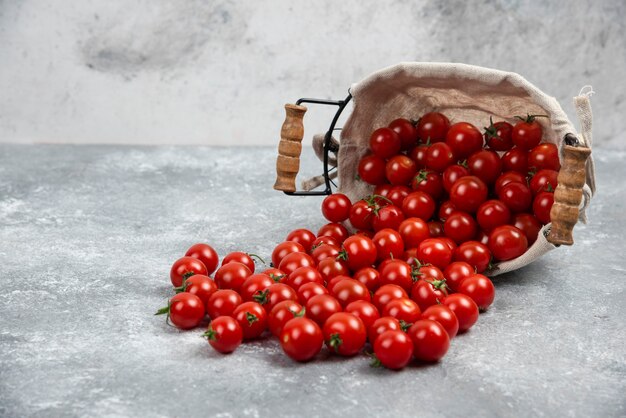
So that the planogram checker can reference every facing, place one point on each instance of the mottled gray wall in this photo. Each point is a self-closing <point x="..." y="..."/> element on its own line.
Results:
<point x="218" y="72"/>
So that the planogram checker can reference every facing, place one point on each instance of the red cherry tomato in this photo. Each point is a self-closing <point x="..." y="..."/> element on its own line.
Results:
<point x="475" y="254"/>
<point x="303" y="275"/>
<point x="361" y="215"/>
<point x="292" y="262"/>
<point x="185" y="310"/>
<point x="387" y="293"/>
<point x="369" y="276"/>
<point x="301" y="339"/>
<point x="282" y="313"/>
<point x="232" y="276"/>
<point x="224" y="334"/>
<point x="403" y="309"/>
<point x="320" y="307"/>
<point x="393" y="349"/>
<point x="445" y="317"/>
<point x="418" y="154"/>
<point x="527" y="133"/>
<point x="460" y="227"/>
<point x="491" y="214"/>
<point x="284" y="248"/>
<point x="344" y="334"/>
<point x="275" y="294"/>
<point x="529" y="225"/>
<point x="222" y="303"/>
<point x="542" y="205"/>
<point x="544" y="181"/>
<point x="464" y="139"/>
<point x="397" y="272"/>
<point x="430" y="271"/>
<point x="486" y="165"/>
<point x="427" y="292"/>
<point x="464" y="308"/>
<point x="240" y="257"/>
<point x="432" y="127"/>
<point x="413" y="231"/>
<point x="418" y="205"/>
<point x="428" y="182"/>
<point x="252" y="319"/>
<point x="480" y="289"/>
<point x="385" y="323"/>
<point x="363" y="310"/>
<point x="201" y="286"/>
<point x="507" y="242"/>
<point x="397" y="194"/>
<point x="435" y="228"/>
<point x="334" y="230"/>
<point x="515" y="159"/>
<point x="186" y="267"/>
<point x="430" y="340"/>
<point x="274" y="274"/>
<point x="358" y="251"/>
<point x="439" y="157"/>
<point x="482" y="237"/>
<point x="206" y="254"/>
<point x="308" y="290"/>
<point x="406" y="131"/>
<point x="336" y="207"/>
<point x="389" y="216"/>
<point x="349" y="290"/>
<point x="516" y="196"/>
<point x="468" y="193"/>
<point x="372" y="169"/>
<point x="452" y="174"/>
<point x="544" y="156"/>
<point x="325" y="239"/>
<point x="435" y="251"/>
<point x="498" y="136"/>
<point x="325" y="251"/>
<point x="400" y="169"/>
<point x="330" y="268"/>
<point x="509" y="177"/>
<point x="385" y="143"/>
<point x="253" y="285"/>
<point x="303" y="237"/>
<point x="388" y="243"/>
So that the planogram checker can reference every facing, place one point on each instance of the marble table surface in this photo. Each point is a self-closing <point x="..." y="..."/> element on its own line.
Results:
<point x="87" y="235"/>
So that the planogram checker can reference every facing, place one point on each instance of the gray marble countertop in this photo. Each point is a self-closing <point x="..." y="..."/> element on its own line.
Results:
<point x="87" y="236"/>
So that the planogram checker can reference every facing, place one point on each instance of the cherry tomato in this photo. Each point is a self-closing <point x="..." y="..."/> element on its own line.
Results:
<point x="336" y="207"/>
<point x="542" y="205"/>
<point x="397" y="272"/>
<point x="509" y="177"/>
<point x="232" y="276"/>
<point x="334" y="281"/>
<point x="446" y="209"/>
<point x="349" y="290"/>
<point x="445" y="317"/>
<point x="240" y="257"/>
<point x="428" y="182"/>
<point x="413" y="231"/>
<point x="389" y="216"/>
<point x="515" y="159"/>
<point x="362" y="214"/>
<point x="199" y="285"/>
<point x="468" y="193"/>
<point x="359" y="252"/>
<point x="283" y="249"/>
<point x="369" y="276"/>
<point x="320" y="307"/>
<point x="282" y="313"/>
<point x="434" y="251"/>
<point x="403" y="309"/>
<point x="222" y="303"/>
<point x="480" y="289"/>
<point x="301" y="339"/>
<point x="325" y="251"/>
<point x="334" y="230"/>
<point x="224" y="334"/>
<point x="544" y="181"/>
<point x="452" y="174"/>
<point x="406" y="131"/>
<point x="464" y="308"/>
<point x="475" y="254"/>
<point x="252" y="319"/>
<point x="516" y="196"/>
<point x="253" y="285"/>
<point x="418" y="205"/>
<point x="430" y="340"/>
<point x="429" y="271"/>
<point x="507" y="242"/>
<point x="372" y="169"/>
<point x="185" y="310"/>
<point x="393" y="349"/>
<point x="400" y="169"/>
<point x="418" y="154"/>
<point x="330" y="268"/>
<point x="206" y="254"/>
<point x="383" y="190"/>
<point x="389" y="244"/>
<point x="529" y="225"/>
<point x="344" y="334"/>
<point x="460" y="227"/>
<point x="491" y="214"/>
<point x="527" y="133"/>
<point x="486" y="165"/>
<point x="544" y="156"/>
<point x="363" y="310"/>
<point x="324" y="239"/>
<point x="387" y="293"/>
<point x="427" y="292"/>
<point x="498" y="136"/>
<point x="303" y="275"/>
<point x="482" y="237"/>
<point x="439" y="157"/>
<point x="292" y="262"/>
<point x="435" y="228"/>
<point x="433" y="127"/>
<point x="397" y="195"/>
<point x="186" y="267"/>
<point x="385" y="323"/>
<point x="303" y="237"/>
<point x="464" y="139"/>
<point x="274" y="274"/>
<point x="275" y="294"/>
<point x="308" y="290"/>
<point x="385" y="143"/>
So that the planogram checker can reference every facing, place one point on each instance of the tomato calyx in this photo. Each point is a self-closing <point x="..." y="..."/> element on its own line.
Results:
<point x="421" y="176"/>
<point x="165" y="310"/>
<point x="375" y="361"/>
<point x="262" y="296"/>
<point x="251" y="318"/>
<point x="210" y="334"/>
<point x="276" y="277"/>
<point x="258" y="257"/>
<point x="405" y="325"/>
<point x="530" y="118"/>
<point x="335" y="342"/>
<point x="438" y="284"/>
<point x="343" y="255"/>
<point x="299" y="314"/>
<point x="491" y="131"/>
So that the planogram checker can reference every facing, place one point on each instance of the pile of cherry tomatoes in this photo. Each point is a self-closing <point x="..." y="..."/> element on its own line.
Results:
<point x="408" y="278"/>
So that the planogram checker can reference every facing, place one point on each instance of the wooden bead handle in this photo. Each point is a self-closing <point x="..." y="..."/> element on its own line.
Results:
<point x="568" y="194"/>
<point x="289" y="148"/>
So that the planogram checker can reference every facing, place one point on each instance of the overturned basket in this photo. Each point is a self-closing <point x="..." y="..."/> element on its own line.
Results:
<point x="462" y="92"/>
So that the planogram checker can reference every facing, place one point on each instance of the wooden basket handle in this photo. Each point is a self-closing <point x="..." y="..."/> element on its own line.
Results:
<point x="568" y="194"/>
<point x="289" y="148"/>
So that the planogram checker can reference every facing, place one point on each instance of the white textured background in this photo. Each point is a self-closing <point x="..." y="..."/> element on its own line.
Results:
<point x="218" y="72"/>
